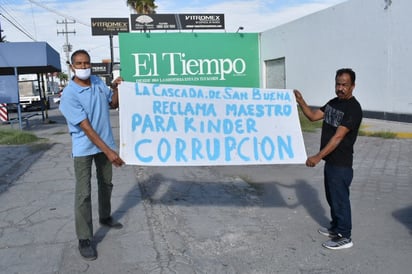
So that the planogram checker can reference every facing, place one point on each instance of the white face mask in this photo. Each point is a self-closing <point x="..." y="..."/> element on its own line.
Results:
<point x="83" y="74"/>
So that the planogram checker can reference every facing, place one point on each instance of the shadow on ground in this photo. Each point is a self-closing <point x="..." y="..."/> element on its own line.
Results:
<point x="404" y="216"/>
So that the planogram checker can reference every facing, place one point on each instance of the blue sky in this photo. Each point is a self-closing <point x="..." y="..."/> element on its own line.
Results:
<point x="38" y="18"/>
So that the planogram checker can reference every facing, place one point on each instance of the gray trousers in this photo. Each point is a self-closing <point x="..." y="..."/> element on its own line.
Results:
<point x="82" y="203"/>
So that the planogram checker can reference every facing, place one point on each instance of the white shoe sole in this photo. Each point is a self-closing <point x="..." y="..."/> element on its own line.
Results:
<point x="348" y="245"/>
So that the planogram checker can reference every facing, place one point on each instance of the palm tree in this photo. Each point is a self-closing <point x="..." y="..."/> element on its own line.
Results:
<point x="142" y="6"/>
<point x="63" y="78"/>
<point x="2" y="38"/>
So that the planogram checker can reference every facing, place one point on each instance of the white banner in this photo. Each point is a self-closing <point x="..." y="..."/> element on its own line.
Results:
<point x="176" y="125"/>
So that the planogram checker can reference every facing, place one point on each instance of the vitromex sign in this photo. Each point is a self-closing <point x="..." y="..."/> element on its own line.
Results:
<point x="208" y="59"/>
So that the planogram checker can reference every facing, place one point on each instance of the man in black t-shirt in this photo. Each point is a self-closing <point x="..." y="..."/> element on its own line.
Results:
<point x="342" y="117"/>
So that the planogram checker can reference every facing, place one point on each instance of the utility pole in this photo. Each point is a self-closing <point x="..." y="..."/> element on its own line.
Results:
<point x="111" y="57"/>
<point x="67" y="48"/>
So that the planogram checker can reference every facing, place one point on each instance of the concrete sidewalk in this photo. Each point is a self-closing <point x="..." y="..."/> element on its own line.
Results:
<point x="254" y="219"/>
<point x="402" y="130"/>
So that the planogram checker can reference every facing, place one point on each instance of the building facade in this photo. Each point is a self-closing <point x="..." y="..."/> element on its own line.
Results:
<point x="373" y="37"/>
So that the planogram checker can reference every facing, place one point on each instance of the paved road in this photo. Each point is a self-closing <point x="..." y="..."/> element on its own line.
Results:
<point x="256" y="219"/>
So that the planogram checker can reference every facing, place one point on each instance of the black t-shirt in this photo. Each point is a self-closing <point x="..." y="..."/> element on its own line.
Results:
<point x="347" y="113"/>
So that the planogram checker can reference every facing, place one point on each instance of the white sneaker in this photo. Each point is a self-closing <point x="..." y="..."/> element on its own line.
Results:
<point x="338" y="242"/>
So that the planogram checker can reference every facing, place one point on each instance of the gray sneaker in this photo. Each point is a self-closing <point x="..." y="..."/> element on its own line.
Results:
<point x="111" y="223"/>
<point x="339" y="242"/>
<point x="327" y="232"/>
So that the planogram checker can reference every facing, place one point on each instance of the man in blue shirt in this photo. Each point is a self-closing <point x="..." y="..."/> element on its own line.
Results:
<point x="85" y="103"/>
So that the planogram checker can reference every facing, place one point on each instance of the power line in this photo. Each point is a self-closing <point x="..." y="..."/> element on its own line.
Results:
<point x="59" y="13"/>
<point x="12" y="20"/>
<point x="34" y="22"/>
<point x="17" y="27"/>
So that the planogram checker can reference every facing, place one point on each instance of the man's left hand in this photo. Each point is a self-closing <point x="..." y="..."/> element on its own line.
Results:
<point x="312" y="161"/>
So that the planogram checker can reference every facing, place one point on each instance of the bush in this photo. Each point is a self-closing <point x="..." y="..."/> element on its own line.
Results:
<point x="307" y="125"/>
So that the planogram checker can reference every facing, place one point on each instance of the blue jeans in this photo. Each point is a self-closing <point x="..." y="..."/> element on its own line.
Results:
<point x="83" y="203"/>
<point x="337" y="183"/>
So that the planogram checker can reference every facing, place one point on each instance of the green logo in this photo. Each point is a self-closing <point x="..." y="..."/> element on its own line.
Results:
<point x="206" y="59"/>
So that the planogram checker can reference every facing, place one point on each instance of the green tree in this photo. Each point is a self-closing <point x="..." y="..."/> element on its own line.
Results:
<point x="63" y="78"/>
<point x="142" y="6"/>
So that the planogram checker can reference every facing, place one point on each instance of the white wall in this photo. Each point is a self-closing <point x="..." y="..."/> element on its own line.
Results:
<point x="361" y="34"/>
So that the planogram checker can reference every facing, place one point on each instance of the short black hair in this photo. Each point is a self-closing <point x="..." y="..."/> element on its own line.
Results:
<point x="80" y="51"/>
<point x="349" y="71"/>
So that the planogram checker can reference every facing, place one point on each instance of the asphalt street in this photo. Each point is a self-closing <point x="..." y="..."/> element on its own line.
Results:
<point x="248" y="219"/>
